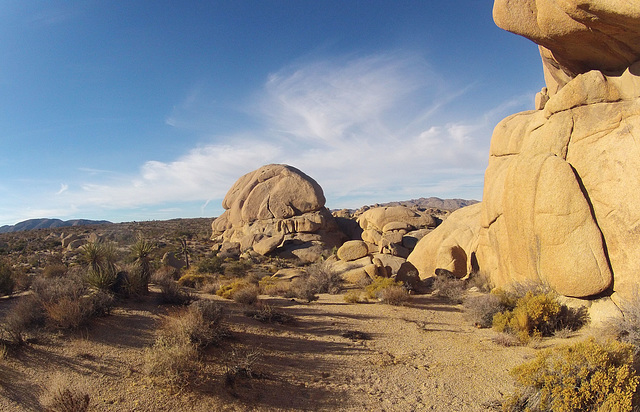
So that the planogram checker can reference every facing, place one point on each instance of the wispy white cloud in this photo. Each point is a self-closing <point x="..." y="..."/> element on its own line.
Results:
<point x="63" y="188"/>
<point x="372" y="128"/>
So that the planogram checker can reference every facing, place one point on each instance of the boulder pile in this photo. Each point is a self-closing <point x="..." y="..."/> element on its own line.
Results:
<point x="276" y="209"/>
<point x="388" y="236"/>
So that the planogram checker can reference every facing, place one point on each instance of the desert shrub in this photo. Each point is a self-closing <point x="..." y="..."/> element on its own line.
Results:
<point x="174" y="364"/>
<point x="66" y="396"/>
<point x="627" y="328"/>
<point x="7" y="282"/>
<point x="533" y="315"/>
<point x="304" y="288"/>
<point x="480" y="281"/>
<point x="587" y="376"/>
<point x="482" y="308"/>
<point x="247" y="295"/>
<point x="450" y="288"/>
<point x="267" y="314"/>
<point x="380" y="283"/>
<point x="54" y="270"/>
<point x="241" y="365"/>
<point x="210" y="265"/>
<point x="200" y="324"/>
<point x="25" y="314"/>
<point x="394" y="295"/>
<point x="324" y="278"/>
<point x="227" y="291"/>
<point x="273" y="287"/>
<point x="172" y="294"/>
<point x="237" y="268"/>
<point x="101" y="272"/>
<point x="354" y="296"/>
<point x="195" y="279"/>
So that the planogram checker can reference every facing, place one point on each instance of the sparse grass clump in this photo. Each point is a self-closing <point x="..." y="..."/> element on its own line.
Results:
<point x="247" y="295"/>
<point x="194" y="279"/>
<point x="587" y="376"/>
<point x="627" y="328"/>
<point x="66" y="396"/>
<point x="227" y="291"/>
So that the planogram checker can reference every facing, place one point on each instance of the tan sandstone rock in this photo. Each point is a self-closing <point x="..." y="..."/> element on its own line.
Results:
<point x="579" y="35"/>
<point x="277" y="209"/>
<point x="353" y="250"/>
<point x="449" y="246"/>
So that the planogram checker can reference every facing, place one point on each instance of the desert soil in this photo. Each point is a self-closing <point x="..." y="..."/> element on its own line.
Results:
<point x="337" y="356"/>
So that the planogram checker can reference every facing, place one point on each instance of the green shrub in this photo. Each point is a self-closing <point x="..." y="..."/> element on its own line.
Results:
<point x="587" y="376"/>
<point x="195" y="279"/>
<point x="379" y="283"/>
<point x="238" y="268"/>
<point x="227" y="291"/>
<point x="210" y="265"/>
<point x="7" y="282"/>
<point x="354" y="297"/>
<point x="533" y="315"/>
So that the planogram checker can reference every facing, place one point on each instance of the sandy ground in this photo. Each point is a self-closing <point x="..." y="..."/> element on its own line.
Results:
<point x="337" y="356"/>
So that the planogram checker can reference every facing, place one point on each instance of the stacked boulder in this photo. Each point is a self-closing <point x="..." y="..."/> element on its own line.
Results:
<point x="388" y="236"/>
<point x="561" y="201"/>
<point x="276" y="209"/>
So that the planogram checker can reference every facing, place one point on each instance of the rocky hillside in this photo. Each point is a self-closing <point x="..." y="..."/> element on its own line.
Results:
<point x="48" y="224"/>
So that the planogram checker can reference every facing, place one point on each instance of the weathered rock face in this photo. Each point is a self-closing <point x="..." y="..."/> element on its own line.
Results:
<point x="450" y="246"/>
<point x="561" y="201"/>
<point x="562" y="189"/>
<point x="277" y="207"/>
<point x="576" y="35"/>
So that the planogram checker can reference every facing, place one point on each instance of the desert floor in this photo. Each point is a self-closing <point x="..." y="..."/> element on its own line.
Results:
<point x="337" y="356"/>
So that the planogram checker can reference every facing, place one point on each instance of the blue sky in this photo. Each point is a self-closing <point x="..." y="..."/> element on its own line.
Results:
<point x="143" y="110"/>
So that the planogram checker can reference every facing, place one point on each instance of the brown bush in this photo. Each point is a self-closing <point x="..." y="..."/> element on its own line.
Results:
<point x="394" y="295"/>
<point x="63" y="395"/>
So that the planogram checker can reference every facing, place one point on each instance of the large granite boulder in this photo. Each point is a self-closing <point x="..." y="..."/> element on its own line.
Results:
<point x="561" y="200"/>
<point x="277" y="209"/>
<point x="450" y="246"/>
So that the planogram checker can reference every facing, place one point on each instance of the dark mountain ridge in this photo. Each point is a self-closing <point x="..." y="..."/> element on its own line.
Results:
<point x="45" y="223"/>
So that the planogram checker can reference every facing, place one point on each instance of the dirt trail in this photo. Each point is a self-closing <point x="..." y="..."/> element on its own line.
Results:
<point x="337" y="356"/>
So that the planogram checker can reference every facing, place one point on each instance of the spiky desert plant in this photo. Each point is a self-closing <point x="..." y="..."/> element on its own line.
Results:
<point x="141" y="251"/>
<point x="100" y="259"/>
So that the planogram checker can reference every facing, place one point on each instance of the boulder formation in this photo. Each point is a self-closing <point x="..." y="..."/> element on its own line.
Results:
<point x="561" y="200"/>
<point x="276" y="208"/>
<point x="389" y="233"/>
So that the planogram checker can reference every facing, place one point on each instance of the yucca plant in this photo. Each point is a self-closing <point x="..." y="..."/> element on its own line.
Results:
<point x="101" y="271"/>
<point x="141" y="251"/>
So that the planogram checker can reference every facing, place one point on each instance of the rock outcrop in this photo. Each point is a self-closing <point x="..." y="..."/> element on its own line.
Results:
<point x="561" y="201"/>
<point x="276" y="208"/>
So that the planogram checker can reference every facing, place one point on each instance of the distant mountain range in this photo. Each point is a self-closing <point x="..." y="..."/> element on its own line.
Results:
<point x="433" y="202"/>
<point x="48" y="224"/>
